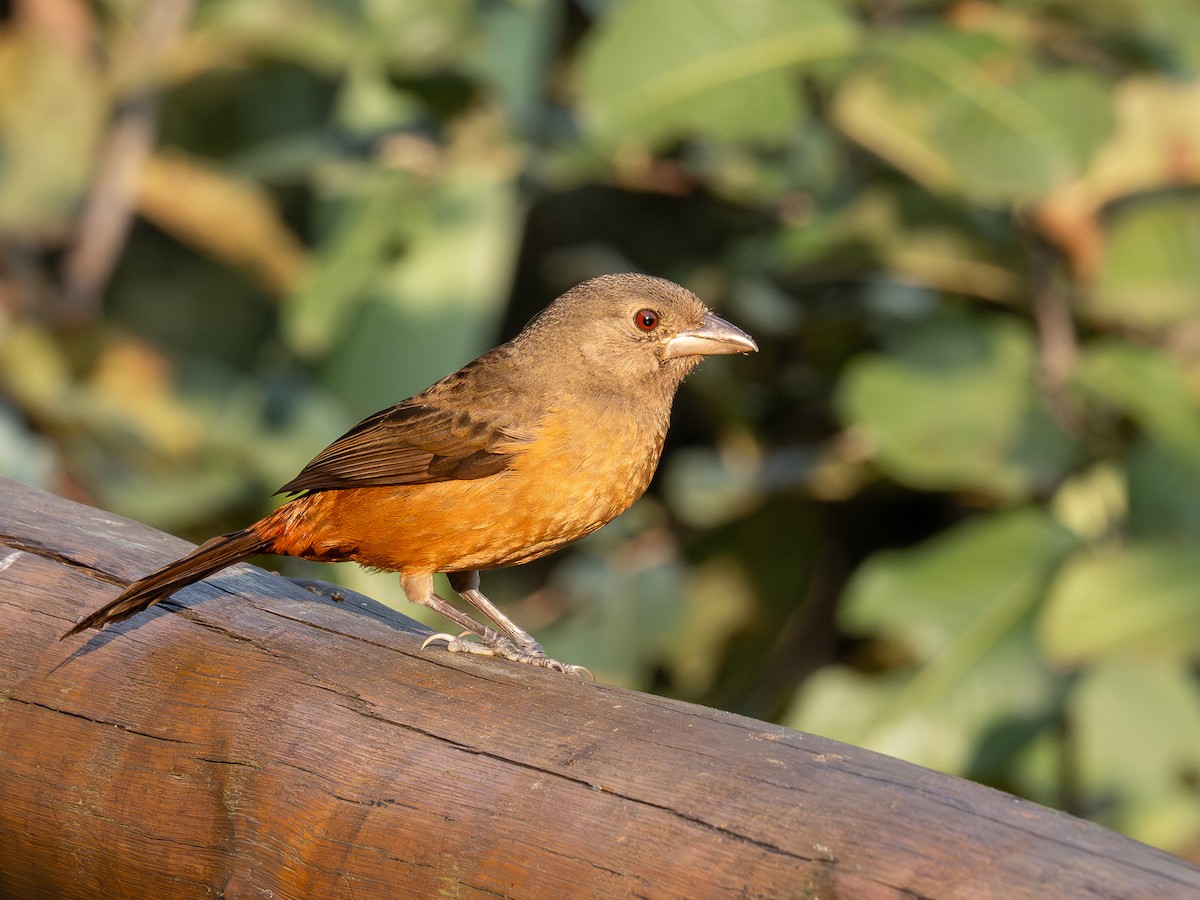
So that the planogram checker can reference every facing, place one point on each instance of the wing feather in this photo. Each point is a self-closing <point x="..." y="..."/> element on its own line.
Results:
<point x="411" y="443"/>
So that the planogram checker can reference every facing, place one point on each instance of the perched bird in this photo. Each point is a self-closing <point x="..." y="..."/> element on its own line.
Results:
<point x="520" y="452"/>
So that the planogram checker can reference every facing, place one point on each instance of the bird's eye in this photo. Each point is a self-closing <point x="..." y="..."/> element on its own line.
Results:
<point x="646" y="319"/>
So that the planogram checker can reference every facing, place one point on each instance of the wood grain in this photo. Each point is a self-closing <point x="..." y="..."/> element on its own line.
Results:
<point x="250" y="738"/>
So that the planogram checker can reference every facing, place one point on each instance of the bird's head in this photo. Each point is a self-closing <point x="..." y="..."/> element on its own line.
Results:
<point x="633" y="331"/>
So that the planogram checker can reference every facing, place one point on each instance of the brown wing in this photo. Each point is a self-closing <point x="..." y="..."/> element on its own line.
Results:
<point x="412" y="443"/>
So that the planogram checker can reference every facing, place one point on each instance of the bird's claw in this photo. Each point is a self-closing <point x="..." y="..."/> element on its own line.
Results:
<point x="442" y="636"/>
<point x="507" y="649"/>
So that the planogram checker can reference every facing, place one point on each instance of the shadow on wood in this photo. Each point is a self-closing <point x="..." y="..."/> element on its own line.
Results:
<point x="248" y="737"/>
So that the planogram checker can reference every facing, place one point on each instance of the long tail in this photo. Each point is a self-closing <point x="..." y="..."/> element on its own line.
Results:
<point x="210" y="557"/>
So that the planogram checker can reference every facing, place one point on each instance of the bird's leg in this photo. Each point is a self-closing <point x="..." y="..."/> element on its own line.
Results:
<point x="419" y="589"/>
<point x="466" y="585"/>
<point x="517" y="645"/>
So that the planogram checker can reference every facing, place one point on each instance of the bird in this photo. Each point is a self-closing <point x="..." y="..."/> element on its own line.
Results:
<point x="527" y="448"/>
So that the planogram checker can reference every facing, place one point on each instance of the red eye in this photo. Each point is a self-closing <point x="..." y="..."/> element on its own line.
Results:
<point x="646" y="319"/>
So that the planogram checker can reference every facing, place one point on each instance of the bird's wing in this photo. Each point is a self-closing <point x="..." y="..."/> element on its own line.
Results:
<point x="412" y="443"/>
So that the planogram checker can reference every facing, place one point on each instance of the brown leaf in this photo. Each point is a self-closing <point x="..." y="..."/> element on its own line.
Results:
<point x="233" y="221"/>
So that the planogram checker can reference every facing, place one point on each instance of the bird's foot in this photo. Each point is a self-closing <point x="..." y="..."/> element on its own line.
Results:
<point x="504" y="647"/>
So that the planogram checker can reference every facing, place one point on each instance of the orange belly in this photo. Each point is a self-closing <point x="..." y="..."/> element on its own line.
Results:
<point x="550" y="496"/>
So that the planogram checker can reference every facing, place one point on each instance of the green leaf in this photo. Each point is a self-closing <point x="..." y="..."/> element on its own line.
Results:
<point x="1153" y="147"/>
<point x="948" y="730"/>
<point x="1136" y="735"/>
<point x="52" y="109"/>
<point x="438" y="303"/>
<point x="965" y="113"/>
<point x="375" y="222"/>
<point x="369" y="103"/>
<point x="1164" y="30"/>
<point x="516" y="47"/>
<point x="658" y="69"/>
<point x="919" y="242"/>
<point x="954" y="408"/>
<point x="961" y="604"/>
<point x="1141" y="599"/>
<point x="942" y="590"/>
<point x="706" y="488"/>
<point x="413" y="36"/>
<point x="1148" y="386"/>
<point x="1164" y="493"/>
<point x="1150" y="274"/>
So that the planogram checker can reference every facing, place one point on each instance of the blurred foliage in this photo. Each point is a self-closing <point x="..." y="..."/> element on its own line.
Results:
<point x="951" y="511"/>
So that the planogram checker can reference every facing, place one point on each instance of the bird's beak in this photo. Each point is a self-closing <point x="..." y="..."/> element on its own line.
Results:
<point x="714" y="336"/>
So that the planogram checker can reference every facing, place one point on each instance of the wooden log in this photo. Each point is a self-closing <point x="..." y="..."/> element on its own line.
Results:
<point x="250" y="738"/>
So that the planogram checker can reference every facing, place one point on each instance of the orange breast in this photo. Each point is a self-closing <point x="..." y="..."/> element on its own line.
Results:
<point x="574" y="477"/>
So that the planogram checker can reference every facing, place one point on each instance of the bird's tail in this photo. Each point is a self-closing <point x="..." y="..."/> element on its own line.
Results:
<point x="210" y="557"/>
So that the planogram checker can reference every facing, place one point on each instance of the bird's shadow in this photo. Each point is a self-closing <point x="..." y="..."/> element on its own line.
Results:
<point x="336" y="595"/>
<point x="262" y="584"/>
